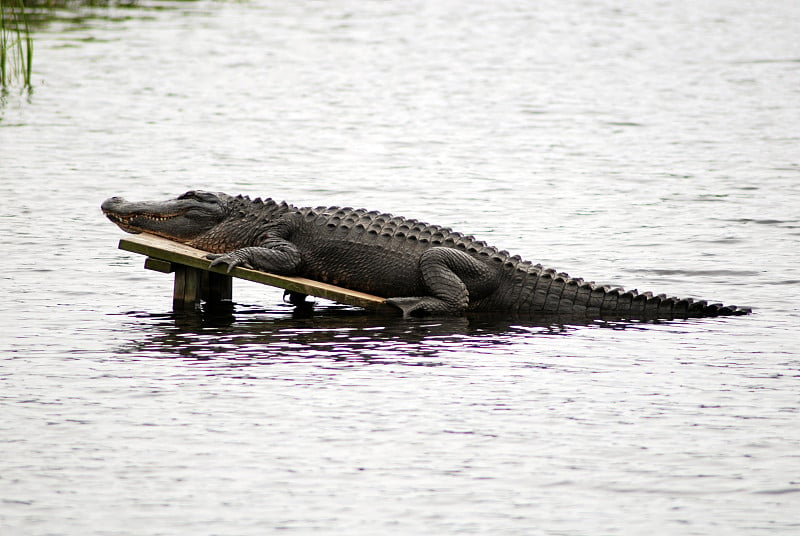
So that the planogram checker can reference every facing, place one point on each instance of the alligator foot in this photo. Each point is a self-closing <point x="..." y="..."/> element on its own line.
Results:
<point x="422" y="306"/>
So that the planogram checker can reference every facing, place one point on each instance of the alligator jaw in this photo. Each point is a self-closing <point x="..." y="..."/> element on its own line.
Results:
<point x="128" y="222"/>
<point x="128" y="219"/>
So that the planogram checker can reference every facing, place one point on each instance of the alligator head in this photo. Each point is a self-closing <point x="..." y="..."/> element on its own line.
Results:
<point x="182" y="219"/>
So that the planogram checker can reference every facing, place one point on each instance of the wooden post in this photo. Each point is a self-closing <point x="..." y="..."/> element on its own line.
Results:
<point x="214" y="288"/>
<point x="186" y="292"/>
<point x="217" y="288"/>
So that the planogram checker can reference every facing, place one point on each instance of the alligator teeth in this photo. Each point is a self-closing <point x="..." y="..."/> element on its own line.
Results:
<point x="128" y="219"/>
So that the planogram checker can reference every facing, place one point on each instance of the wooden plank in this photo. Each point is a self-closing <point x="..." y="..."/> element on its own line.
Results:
<point x="167" y="250"/>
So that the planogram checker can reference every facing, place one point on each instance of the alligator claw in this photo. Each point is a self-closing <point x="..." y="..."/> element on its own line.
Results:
<point x="231" y="260"/>
<point x="408" y="307"/>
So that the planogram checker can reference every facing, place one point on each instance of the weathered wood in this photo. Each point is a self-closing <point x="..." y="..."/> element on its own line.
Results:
<point x="157" y="265"/>
<point x="216" y="287"/>
<point x="186" y="292"/>
<point x="181" y="255"/>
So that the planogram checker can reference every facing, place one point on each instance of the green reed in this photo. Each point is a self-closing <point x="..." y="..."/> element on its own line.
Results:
<point x="16" y="44"/>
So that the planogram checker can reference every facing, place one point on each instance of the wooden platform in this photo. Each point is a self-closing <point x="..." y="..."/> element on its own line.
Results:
<point x="195" y="280"/>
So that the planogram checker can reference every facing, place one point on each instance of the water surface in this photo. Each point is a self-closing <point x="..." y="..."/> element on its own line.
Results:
<point x="652" y="146"/>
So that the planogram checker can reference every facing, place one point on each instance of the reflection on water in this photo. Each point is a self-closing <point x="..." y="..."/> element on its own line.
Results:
<point x="331" y="335"/>
<point x="74" y="14"/>
<point x="341" y="333"/>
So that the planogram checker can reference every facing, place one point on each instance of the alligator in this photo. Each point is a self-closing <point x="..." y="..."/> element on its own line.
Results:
<point x="420" y="269"/>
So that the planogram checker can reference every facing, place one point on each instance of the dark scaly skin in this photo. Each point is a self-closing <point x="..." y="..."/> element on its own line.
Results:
<point x="420" y="268"/>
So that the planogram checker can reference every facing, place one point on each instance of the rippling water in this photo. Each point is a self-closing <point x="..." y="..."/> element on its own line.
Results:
<point x="653" y="145"/>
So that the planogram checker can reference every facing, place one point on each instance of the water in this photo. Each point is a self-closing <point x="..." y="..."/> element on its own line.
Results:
<point x="651" y="145"/>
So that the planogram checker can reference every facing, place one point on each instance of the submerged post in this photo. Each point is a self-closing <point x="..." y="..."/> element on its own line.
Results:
<point x="193" y="285"/>
<point x="186" y="291"/>
<point x="216" y="288"/>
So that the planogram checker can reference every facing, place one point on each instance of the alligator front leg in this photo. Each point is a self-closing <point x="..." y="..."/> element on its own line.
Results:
<point x="447" y="274"/>
<point x="276" y="256"/>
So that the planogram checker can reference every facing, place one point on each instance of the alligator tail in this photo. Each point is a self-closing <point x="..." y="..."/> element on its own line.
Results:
<point x="557" y="293"/>
<point x="631" y="303"/>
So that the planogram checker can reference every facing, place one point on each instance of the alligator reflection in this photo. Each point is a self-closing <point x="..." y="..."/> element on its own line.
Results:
<point x="253" y="335"/>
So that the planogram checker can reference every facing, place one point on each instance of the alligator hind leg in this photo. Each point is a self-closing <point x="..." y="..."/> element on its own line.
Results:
<point x="447" y="275"/>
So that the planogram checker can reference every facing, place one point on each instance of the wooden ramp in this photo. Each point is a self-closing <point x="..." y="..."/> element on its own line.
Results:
<point x="195" y="280"/>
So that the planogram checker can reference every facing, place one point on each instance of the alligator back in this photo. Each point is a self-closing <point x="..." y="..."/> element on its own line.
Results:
<point x="379" y="252"/>
<point x="373" y="251"/>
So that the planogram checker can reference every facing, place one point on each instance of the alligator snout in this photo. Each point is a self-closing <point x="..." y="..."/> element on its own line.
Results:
<point x="109" y="203"/>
